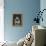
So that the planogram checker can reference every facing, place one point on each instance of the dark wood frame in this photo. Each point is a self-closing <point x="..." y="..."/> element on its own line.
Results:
<point x="17" y="19"/>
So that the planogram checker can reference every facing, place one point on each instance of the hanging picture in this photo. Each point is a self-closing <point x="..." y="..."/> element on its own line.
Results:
<point x="17" y="19"/>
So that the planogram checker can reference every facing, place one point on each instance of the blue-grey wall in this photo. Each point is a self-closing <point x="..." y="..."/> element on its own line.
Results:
<point x="43" y="6"/>
<point x="28" y="9"/>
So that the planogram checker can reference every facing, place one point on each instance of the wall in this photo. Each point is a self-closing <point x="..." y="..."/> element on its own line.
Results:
<point x="42" y="6"/>
<point x="28" y="9"/>
<point x="1" y="21"/>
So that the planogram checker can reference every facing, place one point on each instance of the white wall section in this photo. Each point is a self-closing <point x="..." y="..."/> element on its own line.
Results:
<point x="1" y="20"/>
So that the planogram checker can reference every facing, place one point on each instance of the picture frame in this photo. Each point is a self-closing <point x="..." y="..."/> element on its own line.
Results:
<point x="17" y="19"/>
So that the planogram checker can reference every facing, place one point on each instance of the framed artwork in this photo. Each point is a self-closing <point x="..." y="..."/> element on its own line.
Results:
<point x="17" y="19"/>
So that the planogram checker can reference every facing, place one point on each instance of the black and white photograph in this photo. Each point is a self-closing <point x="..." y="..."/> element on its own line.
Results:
<point x="17" y="19"/>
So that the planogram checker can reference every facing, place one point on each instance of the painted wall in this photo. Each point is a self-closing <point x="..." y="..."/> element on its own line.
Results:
<point x="28" y="9"/>
<point x="43" y="6"/>
<point x="1" y="21"/>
